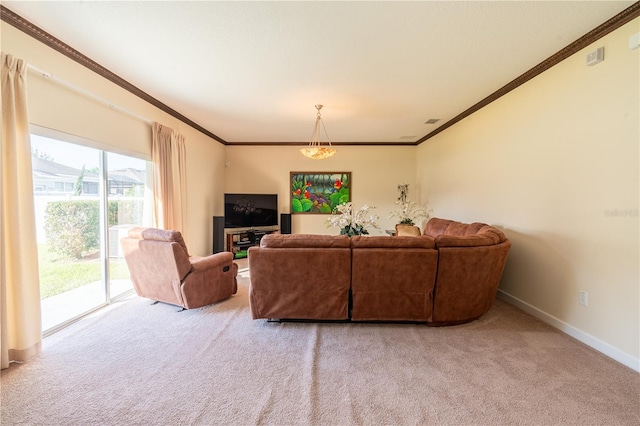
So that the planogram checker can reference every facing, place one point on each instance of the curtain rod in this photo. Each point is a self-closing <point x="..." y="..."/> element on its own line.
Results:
<point x="93" y="96"/>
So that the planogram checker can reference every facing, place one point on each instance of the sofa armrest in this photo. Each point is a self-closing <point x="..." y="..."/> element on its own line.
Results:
<point x="218" y="259"/>
<point x="212" y="278"/>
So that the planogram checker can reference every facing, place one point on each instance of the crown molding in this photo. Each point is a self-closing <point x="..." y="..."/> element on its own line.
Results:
<point x="332" y="144"/>
<point x="47" y="39"/>
<point x="600" y="31"/>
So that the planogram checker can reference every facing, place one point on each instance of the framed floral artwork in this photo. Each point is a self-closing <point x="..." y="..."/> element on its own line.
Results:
<point x="319" y="192"/>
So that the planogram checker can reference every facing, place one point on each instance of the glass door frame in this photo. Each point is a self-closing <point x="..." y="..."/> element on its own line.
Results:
<point x="103" y="197"/>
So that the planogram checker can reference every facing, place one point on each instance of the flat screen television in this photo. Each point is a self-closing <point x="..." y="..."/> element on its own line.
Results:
<point x="250" y="210"/>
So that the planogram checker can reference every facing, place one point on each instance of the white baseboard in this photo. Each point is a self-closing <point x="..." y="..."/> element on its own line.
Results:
<point x="589" y="340"/>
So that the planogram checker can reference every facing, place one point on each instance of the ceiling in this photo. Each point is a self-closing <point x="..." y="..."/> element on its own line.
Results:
<point x="251" y="72"/>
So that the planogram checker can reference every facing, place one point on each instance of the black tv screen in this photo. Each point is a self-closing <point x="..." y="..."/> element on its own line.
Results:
<point x="250" y="210"/>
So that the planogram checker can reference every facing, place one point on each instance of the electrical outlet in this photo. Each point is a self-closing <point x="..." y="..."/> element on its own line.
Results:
<point x="583" y="298"/>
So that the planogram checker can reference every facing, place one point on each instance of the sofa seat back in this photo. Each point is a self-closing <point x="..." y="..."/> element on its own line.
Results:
<point x="471" y="260"/>
<point x="299" y="276"/>
<point x="393" y="278"/>
<point x="448" y="233"/>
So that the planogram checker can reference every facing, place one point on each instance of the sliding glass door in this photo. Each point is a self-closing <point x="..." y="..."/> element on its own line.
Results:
<point x="86" y="200"/>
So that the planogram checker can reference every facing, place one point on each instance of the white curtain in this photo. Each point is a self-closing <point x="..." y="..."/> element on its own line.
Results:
<point x="20" y="323"/>
<point x="169" y="177"/>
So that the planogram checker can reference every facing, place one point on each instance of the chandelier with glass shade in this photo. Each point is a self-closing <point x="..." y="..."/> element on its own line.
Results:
<point x="315" y="150"/>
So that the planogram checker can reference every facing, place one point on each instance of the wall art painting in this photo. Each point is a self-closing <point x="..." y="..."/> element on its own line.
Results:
<point x="319" y="192"/>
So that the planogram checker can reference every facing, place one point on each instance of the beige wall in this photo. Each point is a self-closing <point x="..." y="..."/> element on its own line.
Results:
<point x="59" y="108"/>
<point x="548" y="162"/>
<point x="376" y="173"/>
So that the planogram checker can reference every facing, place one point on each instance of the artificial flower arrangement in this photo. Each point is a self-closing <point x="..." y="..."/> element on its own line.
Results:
<point x="409" y="211"/>
<point x="352" y="222"/>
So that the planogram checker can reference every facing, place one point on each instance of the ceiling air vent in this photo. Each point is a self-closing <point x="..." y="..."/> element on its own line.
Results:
<point x="432" y="121"/>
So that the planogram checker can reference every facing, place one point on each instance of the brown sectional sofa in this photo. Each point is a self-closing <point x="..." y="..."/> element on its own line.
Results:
<point x="449" y="275"/>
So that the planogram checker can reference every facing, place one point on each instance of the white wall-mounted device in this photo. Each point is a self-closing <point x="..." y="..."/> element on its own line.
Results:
<point x="634" y="41"/>
<point x="596" y="56"/>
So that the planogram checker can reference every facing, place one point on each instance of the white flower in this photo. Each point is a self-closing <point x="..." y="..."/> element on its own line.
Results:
<point x="352" y="222"/>
<point x="409" y="212"/>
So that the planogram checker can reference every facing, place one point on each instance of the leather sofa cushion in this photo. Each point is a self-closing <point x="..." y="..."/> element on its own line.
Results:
<point x="424" y="241"/>
<point x="436" y="227"/>
<point x="304" y="241"/>
<point x="155" y="234"/>
<point x="448" y="233"/>
<point x="136" y="232"/>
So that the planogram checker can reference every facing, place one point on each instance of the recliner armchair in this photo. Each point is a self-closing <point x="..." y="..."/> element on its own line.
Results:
<point x="162" y="270"/>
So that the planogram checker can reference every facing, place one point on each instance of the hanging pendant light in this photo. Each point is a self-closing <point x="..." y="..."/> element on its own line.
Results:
<point x="315" y="151"/>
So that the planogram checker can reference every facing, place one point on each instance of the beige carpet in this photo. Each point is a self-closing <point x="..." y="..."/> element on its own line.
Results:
<point x="138" y="364"/>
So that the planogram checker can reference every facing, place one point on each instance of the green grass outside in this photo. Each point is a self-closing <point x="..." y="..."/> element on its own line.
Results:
<point x="59" y="274"/>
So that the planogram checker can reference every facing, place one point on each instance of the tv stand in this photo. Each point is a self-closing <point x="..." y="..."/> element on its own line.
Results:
<point x="238" y="242"/>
